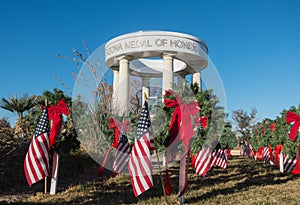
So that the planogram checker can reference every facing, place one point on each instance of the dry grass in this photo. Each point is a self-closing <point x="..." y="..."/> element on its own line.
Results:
<point x="244" y="182"/>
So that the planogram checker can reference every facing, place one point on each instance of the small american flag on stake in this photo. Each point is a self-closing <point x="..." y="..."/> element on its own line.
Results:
<point x="122" y="153"/>
<point x="139" y="163"/>
<point x="266" y="154"/>
<point x="36" y="163"/>
<point x="288" y="163"/>
<point x="220" y="158"/>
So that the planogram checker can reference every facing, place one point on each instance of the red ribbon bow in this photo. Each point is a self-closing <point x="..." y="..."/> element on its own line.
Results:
<point x="259" y="153"/>
<point x="116" y="126"/>
<point x="55" y="114"/>
<point x="293" y="117"/>
<point x="181" y="122"/>
<point x="272" y="126"/>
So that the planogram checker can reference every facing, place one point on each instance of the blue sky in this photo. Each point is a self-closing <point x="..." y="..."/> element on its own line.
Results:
<point x="255" y="45"/>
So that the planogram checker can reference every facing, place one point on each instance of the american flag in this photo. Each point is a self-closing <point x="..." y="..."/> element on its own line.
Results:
<point x="139" y="163"/>
<point x="203" y="161"/>
<point x="122" y="152"/>
<point x="266" y="154"/>
<point x="220" y="158"/>
<point x="289" y="164"/>
<point x="36" y="163"/>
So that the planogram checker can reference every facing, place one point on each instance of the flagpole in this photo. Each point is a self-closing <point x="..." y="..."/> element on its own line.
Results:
<point x="161" y="178"/>
<point x="45" y="184"/>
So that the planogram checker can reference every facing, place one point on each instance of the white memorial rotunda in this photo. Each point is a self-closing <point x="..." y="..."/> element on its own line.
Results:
<point x="153" y="54"/>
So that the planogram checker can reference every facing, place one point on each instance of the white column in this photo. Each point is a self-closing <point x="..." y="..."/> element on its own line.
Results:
<point x="116" y="80"/>
<point x="197" y="79"/>
<point x="167" y="80"/>
<point x="123" y="88"/>
<point x="180" y="80"/>
<point x="115" y="91"/>
<point x="145" y="88"/>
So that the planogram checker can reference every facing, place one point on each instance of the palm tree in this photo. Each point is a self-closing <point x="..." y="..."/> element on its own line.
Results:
<point x="18" y="105"/>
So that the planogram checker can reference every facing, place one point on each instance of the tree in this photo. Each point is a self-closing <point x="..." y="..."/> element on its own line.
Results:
<point x="281" y="133"/>
<point x="92" y="103"/>
<point x="263" y="134"/>
<point x="244" y="123"/>
<point x="208" y="107"/>
<point x="228" y="138"/>
<point x="7" y="141"/>
<point x="19" y="105"/>
<point x="274" y="132"/>
<point x="69" y="140"/>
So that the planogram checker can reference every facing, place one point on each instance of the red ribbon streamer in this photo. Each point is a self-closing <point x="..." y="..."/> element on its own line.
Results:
<point x="259" y="153"/>
<point x="55" y="114"/>
<point x="271" y="152"/>
<point x="181" y="122"/>
<point x="297" y="165"/>
<point x="278" y="149"/>
<point x="292" y="117"/>
<point x="168" y="189"/>
<point x="101" y="168"/>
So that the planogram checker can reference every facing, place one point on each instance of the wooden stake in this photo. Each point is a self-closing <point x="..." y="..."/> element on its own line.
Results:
<point x="161" y="178"/>
<point x="45" y="185"/>
<point x="159" y="169"/>
<point x="158" y="162"/>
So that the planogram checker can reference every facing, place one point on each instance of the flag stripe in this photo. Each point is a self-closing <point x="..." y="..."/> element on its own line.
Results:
<point x="203" y="161"/>
<point x="31" y="177"/>
<point x="121" y="158"/>
<point x="30" y="163"/>
<point x="35" y="161"/>
<point x="143" y="151"/>
<point x="140" y="176"/>
<point x="41" y="158"/>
